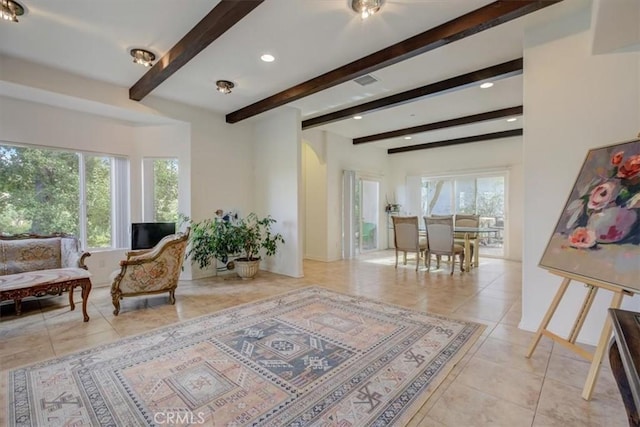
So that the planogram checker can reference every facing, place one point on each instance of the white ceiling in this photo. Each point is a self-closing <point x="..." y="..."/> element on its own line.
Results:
<point x="308" y="38"/>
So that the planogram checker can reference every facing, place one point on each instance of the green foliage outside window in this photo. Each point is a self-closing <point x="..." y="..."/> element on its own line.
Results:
<point x="165" y="173"/>
<point x="40" y="193"/>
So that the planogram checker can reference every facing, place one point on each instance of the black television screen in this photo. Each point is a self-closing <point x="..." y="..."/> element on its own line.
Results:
<point x="145" y="235"/>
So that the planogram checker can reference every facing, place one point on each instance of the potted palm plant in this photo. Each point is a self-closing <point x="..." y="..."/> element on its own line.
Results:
<point x="225" y="237"/>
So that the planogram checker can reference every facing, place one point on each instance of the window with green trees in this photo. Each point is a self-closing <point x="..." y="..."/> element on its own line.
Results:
<point x="160" y="189"/>
<point x="165" y="185"/>
<point x="45" y="191"/>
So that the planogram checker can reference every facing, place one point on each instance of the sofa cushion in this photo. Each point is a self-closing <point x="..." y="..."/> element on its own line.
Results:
<point x="17" y="256"/>
<point x="41" y="277"/>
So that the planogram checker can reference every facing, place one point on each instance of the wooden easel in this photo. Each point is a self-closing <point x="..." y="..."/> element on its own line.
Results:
<point x="570" y="343"/>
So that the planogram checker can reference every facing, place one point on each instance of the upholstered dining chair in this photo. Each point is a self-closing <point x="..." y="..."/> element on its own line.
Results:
<point x="440" y="232"/>
<point x="406" y="238"/>
<point x="151" y="271"/>
<point x="463" y="220"/>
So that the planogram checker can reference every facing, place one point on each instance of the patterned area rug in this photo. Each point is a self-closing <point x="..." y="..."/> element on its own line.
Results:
<point x="310" y="357"/>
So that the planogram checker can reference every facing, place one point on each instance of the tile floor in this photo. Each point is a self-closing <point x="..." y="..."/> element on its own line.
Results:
<point x="493" y="385"/>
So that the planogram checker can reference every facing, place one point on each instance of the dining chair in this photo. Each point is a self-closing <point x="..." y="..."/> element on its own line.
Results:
<point x="406" y="238"/>
<point x="463" y="220"/>
<point x="440" y="232"/>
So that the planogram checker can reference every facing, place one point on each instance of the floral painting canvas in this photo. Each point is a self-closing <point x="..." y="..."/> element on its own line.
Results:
<point x="598" y="233"/>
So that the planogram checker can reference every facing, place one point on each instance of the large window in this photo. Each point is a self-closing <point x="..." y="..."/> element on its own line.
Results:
<point x="160" y="189"/>
<point x="45" y="191"/>
<point x="482" y="195"/>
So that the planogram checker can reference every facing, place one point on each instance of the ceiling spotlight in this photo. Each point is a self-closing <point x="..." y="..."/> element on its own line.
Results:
<point x="366" y="8"/>
<point x="512" y="119"/>
<point x="224" y="86"/>
<point x="10" y="10"/>
<point x="357" y="117"/>
<point x="407" y="137"/>
<point x="268" y="58"/>
<point x="142" y="57"/>
<point x="486" y="85"/>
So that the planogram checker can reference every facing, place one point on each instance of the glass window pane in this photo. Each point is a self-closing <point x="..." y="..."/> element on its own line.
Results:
<point x="98" y="191"/>
<point x="491" y="199"/>
<point x="436" y="197"/>
<point x="39" y="191"/>
<point x="466" y="196"/>
<point x="165" y="185"/>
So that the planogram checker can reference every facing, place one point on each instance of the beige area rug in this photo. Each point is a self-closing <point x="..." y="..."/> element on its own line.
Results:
<point x="310" y="357"/>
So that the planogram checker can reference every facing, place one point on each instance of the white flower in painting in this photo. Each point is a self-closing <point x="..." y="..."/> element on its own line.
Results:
<point x="574" y="209"/>
<point x="634" y="202"/>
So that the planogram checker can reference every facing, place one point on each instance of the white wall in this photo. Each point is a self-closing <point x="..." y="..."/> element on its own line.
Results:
<point x="314" y="177"/>
<point x="278" y="185"/>
<point x="501" y="154"/>
<point x="574" y="101"/>
<point x="215" y="157"/>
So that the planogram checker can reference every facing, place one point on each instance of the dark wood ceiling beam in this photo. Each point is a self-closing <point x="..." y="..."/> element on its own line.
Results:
<point x="467" y="25"/>
<point x="225" y="15"/>
<point x="457" y="141"/>
<point x="459" y="121"/>
<point x="495" y="72"/>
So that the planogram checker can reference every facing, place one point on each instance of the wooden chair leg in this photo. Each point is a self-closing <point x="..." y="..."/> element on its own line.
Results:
<point x="462" y="261"/>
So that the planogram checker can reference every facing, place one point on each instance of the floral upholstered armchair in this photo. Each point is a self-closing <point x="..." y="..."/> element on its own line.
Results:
<point x="151" y="271"/>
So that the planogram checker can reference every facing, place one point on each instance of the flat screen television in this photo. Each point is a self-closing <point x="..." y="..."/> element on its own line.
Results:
<point x="145" y="235"/>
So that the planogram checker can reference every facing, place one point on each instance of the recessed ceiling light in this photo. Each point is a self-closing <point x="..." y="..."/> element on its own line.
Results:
<point x="486" y="85"/>
<point x="357" y="117"/>
<point x="407" y="137"/>
<point x="268" y="57"/>
<point x="512" y="119"/>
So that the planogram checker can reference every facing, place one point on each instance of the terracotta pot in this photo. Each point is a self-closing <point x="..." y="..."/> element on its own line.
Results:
<point x="612" y="224"/>
<point x="247" y="269"/>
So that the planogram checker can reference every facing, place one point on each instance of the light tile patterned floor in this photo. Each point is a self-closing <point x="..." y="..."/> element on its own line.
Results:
<point x="494" y="385"/>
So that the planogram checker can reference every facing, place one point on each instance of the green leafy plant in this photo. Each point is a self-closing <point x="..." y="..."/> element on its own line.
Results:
<point x="223" y="237"/>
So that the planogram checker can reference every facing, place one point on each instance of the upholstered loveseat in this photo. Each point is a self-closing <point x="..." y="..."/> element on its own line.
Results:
<point x="34" y="266"/>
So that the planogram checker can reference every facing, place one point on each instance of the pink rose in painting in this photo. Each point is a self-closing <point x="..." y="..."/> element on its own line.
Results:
<point x="616" y="159"/>
<point x="602" y="195"/>
<point x="582" y="238"/>
<point x="630" y="168"/>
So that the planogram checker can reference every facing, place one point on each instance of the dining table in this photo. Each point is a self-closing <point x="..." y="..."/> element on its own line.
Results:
<point x="468" y="232"/>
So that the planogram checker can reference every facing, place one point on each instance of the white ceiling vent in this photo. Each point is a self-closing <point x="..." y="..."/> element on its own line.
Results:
<point x="365" y="80"/>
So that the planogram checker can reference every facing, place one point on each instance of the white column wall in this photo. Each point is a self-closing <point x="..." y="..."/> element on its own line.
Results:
<point x="278" y="185"/>
<point x="314" y="173"/>
<point x="574" y="101"/>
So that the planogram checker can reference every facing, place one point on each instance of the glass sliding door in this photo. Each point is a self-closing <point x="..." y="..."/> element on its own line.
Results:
<point x="369" y="214"/>
<point x="481" y="194"/>
<point x="366" y="214"/>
